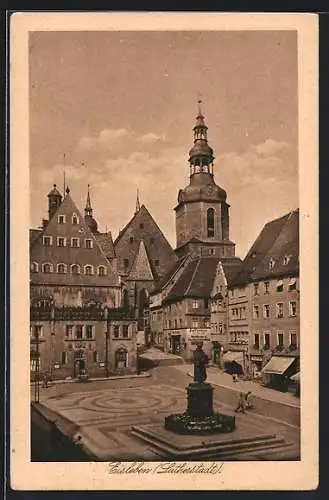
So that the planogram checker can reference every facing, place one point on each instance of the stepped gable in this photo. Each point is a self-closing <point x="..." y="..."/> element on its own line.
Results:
<point x="68" y="254"/>
<point x="141" y="269"/>
<point x="196" y="280"/>
<point x="285" y="245"/>
<point x="105" y="241"/>
<point x="142" y="226"/>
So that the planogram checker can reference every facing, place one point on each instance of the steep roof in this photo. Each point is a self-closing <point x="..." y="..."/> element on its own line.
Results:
<point x="196" y="280"/>
<point x="141" y="269"/>
<point x="278" y="238"/>
<point x="170" y="274"/>
<point x="34" y="233"/>
<point x="69" y="255"/>
<point x="105" y="241"/>
<point x="231" y="267"/>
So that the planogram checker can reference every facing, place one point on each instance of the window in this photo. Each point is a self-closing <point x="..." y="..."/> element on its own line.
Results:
<point x="293" y="340"/>
<point x="286" y="259"/>
<point x="121" y="358"/>
<point x="64" y="358"/>
<point x="89" y="331"/>
<point x="280" y="339"/>
<point x="271" y="263"/>
<point x="78" y="331"/>
<point x="61" y="241"/>
<point x="47" y="241"/>
<point x="141" y="226"/>
<point x="151" y="241"/>
<point x="131" y="239"/>
<point x="292" y="285"/>
<point x="89" y="270"/>
<point x="256" y="312"/>
<point x="195" y="304"/>
<point x="267" y="286"/>
<point x="125" y="331"/>
<point x="267" y="342"/>
<point x="95" y="356"/>
<point x="266" y="311"/>
<point x="292" y="308"/>
<point x="68" y="331"/>
<point x="89" y="243"/>
<point x="75" y="269"/>
<point x="181" y="322"/>
<point x="156" y="263"/>
<point x="75" y="219"/>
<point x="61" y="219"/>
<point x="256" y="340"/>
<point x="116" y="331"/>
<point x="211" y="251"/>
<point x="47" y="268"/>
<point x="256" y="288"/>
<point x="195" y="323"/>
<point x="75" y="242"/>
<point x="210" y="222"/>
<point x="279" y="286"/>
<point x="38" y="331"/>
<point x="61" y="268"/>
<point x="279" y="310"/>
<point x="125" y="263"/>
<point x="101" y="271"/>
<point x="34" y="267"/>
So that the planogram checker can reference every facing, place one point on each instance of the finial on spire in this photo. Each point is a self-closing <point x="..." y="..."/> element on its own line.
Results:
<point x="199" y="104"/>
<point x="137" y="203"/>
<point x="67" y="190"/>
<point x="88" y="203"/>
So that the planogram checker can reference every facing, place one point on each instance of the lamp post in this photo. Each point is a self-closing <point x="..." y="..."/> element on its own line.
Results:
<point x="52" y="335"/>
<point x="107" y="334"/>
<point x="36" y="341"/>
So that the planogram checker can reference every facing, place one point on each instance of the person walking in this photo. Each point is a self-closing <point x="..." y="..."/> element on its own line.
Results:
<point x="241" y="404"/>
<point x="248" y="401"/>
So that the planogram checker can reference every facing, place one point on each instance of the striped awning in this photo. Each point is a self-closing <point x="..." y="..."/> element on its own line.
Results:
<point x="278" y="365"/>
<point x="295" y="377"/>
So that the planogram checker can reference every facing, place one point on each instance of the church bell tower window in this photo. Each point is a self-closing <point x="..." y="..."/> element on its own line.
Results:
<point x="210" y="222"/>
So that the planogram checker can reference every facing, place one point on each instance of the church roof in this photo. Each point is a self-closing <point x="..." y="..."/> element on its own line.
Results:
<point x="105" y="241"/>
<point x="141" y="269"/>
<point x="279" y="238"/>
<point x="170" y="274"/>
<point x="71" y="226"/>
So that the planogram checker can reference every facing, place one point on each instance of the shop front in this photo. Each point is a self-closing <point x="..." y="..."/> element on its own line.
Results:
<point x="256" y="364"/>
<point x="277" y="372"/>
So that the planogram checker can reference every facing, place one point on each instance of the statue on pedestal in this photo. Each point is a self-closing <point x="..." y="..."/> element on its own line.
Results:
<point x="200" y="359"/>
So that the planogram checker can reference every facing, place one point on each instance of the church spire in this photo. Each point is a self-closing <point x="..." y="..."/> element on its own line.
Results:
<point x="201" y="156"/>
<point x="88" y="209"/>
<point x="89" y="219"/>
<point x="137" y="209"/>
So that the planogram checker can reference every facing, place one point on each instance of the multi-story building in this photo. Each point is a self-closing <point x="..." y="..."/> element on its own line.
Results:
<point x="269" y="277"/>
<point x="202" y="232"/>
<point x="78" y="318"/>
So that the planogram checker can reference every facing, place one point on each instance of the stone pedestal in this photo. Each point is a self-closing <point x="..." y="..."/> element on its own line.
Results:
<point x="200" y="400"/>
<point x="199" y="417"/>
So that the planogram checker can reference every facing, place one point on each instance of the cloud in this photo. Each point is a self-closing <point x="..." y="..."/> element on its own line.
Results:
<point x="105" y="138"/>
<point x="150" y="138"/>
<point x="270" y="148"/>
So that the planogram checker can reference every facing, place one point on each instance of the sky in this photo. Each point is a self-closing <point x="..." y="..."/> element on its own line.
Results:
<point x="116" y="110"/>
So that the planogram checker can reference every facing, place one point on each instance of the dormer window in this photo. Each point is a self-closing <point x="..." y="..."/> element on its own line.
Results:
<point x="131" y="239"/>
<point x="89" y="243"/>
<point x="271" y="264"/>
<point x="47" y="241"/>
<point x="279" y="286"/>
<point x="75" y="269"/>
<point x="89" y="270"/>
<point x="47" y="267"/>
<point x="75" y="219"/>
<point x="286" y="259"/>
<point x="101" y="270"/>
<point x="61" y="219"/>
<point x="75" y="242"/>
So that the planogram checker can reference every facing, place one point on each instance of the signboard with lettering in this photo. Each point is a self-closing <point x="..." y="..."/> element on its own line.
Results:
<point x="199" y="334"/>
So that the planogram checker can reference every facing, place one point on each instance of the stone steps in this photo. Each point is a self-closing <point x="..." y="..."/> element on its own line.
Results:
<point x="219" y="449"/>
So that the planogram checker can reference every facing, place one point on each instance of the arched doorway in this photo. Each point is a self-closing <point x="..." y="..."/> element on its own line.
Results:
<point x="79" y="362"/>
<point x="121" y="358"/>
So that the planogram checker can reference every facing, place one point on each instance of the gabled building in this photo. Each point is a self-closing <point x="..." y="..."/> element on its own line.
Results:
<point x="267" y="286"/>
<point x="77" y="312"/>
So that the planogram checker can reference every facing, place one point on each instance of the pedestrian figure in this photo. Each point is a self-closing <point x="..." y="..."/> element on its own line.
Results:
<point x="45" y="381"/>
<point x="235" y="377"/>
<point x="241" y="404"/>
<point x="248" y="401"/>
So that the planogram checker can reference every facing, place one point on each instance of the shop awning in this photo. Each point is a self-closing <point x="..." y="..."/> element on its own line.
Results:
<point x="296" y="377"/>
<point x="292" y="281"/>
<point x="230" y="356"/>
<point x="279" y="283"/>
<point x="278" y="365"/>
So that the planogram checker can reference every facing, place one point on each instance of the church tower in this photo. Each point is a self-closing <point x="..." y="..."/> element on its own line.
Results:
<point x="89" y="219"/>
<point x="202" y="213"/>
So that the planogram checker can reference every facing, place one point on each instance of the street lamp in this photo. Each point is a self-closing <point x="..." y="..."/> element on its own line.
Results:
<point x="37" y="341"/>
<point x="107" y="334"/>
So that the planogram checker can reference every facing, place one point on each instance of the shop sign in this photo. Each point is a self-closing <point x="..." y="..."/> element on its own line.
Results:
<point x="200" y="334"/>
<point x="257" y="357"/>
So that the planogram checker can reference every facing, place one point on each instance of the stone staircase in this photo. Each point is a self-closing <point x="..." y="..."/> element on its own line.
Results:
<point x="225" y="447"/>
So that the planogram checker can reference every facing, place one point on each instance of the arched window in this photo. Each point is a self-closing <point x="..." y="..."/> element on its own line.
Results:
<point x="75" y="219"/>
<point x="34" y="267"/>
<point x="61" y="268"/>
<point x="211" y="222"/>
<point x="89" y="270"/>
<point x="75" y="269"/>
<point x="101" y="270"/>
<point x="47" y="267"/>
<point x="121" y="358"/>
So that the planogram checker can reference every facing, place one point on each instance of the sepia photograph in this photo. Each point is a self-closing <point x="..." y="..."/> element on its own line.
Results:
<point x="164" y="226"/>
